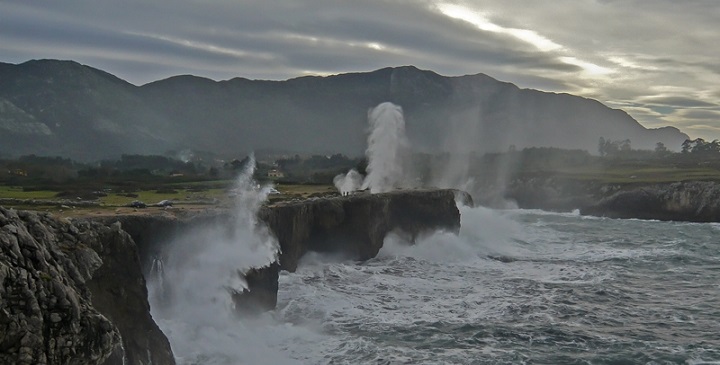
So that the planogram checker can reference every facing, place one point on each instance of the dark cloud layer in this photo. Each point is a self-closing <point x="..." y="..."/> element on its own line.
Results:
<point x="654" y="58"/>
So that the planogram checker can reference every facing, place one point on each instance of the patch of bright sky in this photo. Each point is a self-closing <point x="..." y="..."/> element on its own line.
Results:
<point x="624" y="62"/>
<point x="544" y="44"/>
<point x="205" y="46"/>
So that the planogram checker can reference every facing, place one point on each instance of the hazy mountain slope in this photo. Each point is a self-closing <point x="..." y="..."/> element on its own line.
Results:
<point x="73" y="110"/>
<point x="56" y="107"/>
<point x="325" y="114"/>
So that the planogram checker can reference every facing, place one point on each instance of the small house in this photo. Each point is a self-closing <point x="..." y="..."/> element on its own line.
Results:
<point x="275" y="173"/>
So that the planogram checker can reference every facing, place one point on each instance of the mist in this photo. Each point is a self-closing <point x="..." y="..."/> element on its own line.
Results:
<point x="349" y="182"/>
<point x="190" y="290"/>
<point x="387" y="149"/>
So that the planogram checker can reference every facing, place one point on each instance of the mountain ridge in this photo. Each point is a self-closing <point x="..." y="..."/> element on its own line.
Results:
<point x="80" y="106"/>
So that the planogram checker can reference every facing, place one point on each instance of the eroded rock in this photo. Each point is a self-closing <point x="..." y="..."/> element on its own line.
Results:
<point x="46" y="315"/>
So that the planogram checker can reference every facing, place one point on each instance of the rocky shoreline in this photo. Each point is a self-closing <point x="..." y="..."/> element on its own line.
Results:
<point x="691" y="201"/>
<point x="75" y="291"/>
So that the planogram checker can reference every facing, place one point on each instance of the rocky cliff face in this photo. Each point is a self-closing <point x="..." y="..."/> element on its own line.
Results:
<point x="120" y="293"/>
<point x="46" y="315"/>
<point x="695" y="201"/>
<point x="73" y="293"/>
<point x="356" y="225"/>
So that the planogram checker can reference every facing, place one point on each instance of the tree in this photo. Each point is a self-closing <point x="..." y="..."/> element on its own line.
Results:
<point x="660" y="148"/>
<point x="700" y="146"/>
<point x="601" y="147"/>
<point x="686" y="146"/>
<point x="624" y="146"/>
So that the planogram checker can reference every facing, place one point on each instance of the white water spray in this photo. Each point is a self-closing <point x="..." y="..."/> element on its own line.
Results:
<point x="194" y="305"/>
<point x="387" y="148"/>
<point x="348" y="183"/>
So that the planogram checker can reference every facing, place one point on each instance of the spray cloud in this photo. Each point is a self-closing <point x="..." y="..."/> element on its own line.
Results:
<point x="202" y="268"/>
<point x="349" y="182"/>
<point x="387" y="148"/>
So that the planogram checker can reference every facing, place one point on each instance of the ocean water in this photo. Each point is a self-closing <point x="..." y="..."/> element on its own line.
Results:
<point x="514" y="287"/>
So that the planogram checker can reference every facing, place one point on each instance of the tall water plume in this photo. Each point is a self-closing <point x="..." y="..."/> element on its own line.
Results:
<point x="202" y="268"/>
<point x="387" y="148"/>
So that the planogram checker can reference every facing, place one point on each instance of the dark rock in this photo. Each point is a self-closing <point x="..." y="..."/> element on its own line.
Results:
<point x="695" y="201"/>
<point x="73" y="293"/>
<point x="120" y="293"/>
<point x="46" y="316"/>
<point x="262" y="293"/>
<point x="356" y="225"/>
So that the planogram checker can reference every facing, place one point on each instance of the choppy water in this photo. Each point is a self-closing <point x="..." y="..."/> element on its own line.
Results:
<point x="514" y="287"/>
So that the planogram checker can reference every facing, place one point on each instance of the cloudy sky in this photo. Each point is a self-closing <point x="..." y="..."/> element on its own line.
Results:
<point x="657" y="59"/>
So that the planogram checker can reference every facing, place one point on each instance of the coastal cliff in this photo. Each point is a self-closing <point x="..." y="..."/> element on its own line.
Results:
<point x="73" y="294"/>
<point x="75" y="291"/>
<point x="355" y="225"/>
<point x="693" y="201"/>
<point x="119" y="292"/>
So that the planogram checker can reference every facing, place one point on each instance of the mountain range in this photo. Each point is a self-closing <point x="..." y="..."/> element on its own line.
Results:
<point x="50" y="107"/>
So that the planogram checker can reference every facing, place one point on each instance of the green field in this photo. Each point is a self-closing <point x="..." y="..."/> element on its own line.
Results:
<point x="16" y="192"/>
<point x="187" y="195"/>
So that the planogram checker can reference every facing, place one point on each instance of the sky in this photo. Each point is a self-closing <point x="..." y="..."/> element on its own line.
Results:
<point x="658" y="60"/>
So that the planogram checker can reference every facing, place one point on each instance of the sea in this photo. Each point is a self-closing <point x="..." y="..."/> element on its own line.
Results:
<point x="513" y="287"/>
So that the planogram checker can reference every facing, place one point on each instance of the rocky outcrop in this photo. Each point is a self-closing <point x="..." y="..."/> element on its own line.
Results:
<point x="353" y="225"/>
<point x="46" y="315"/>
<point x="120" y="293"/>
<point x="356" y="225"/>
<point x="73" y="293"/>
<point x="694" y="201"/>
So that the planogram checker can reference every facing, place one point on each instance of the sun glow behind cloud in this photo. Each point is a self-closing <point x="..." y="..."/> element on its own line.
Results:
<point x="530" y="37"/>
<point x="588" y="67"/>
<point x="207" y="47"/>
<point x="479" y="20"/>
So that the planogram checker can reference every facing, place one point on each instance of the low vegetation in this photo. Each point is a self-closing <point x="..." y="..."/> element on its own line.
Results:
<point x="111" y="186"/>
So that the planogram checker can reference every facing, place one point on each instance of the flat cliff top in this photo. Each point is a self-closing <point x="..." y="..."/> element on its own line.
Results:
<point x="361" y="195"/>
<point x="188" y="213"/>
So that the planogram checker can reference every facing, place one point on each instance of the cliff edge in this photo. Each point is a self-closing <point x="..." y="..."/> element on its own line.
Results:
<point x="73" y="293"/>
<point x="353" y="225"/>
<point x="46" y="316"/>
